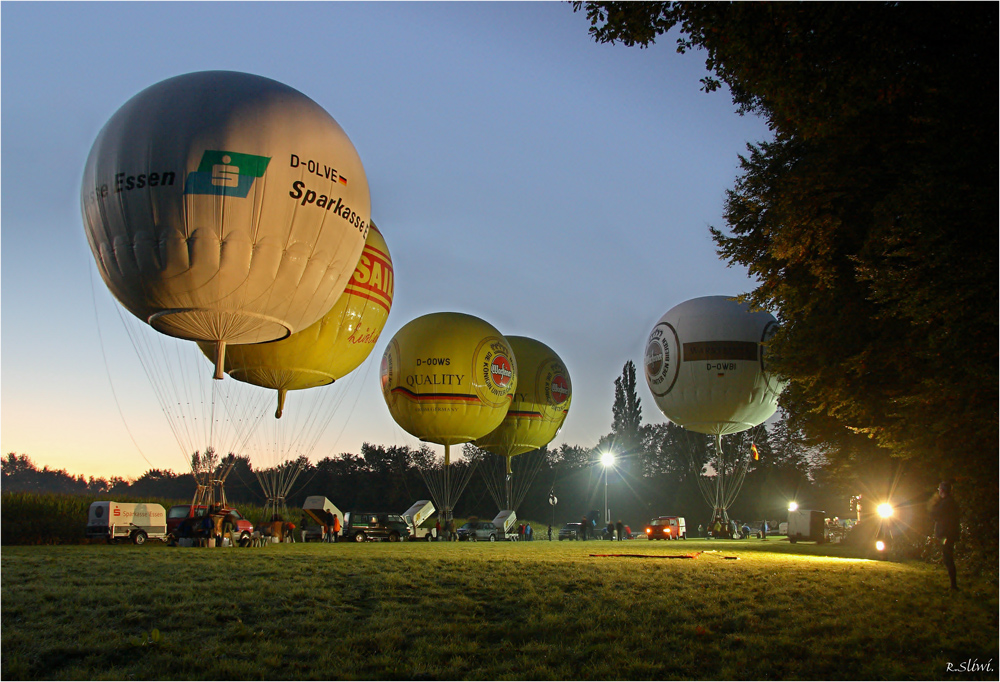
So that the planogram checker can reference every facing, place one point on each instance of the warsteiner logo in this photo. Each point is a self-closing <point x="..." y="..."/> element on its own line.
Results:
<point x="224" y="173"/>
<point x="494" y="372"/>
<point x="560" y="389"/>
<point x="654" y="358"/>
<point x="660" y="359"/>
<point x="501" y="370"/>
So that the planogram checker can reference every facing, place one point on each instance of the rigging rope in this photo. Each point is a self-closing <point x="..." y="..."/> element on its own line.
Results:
<point x="720" y="491"/>
<point x="447" y="482"/>
<point x="509" y="491"/>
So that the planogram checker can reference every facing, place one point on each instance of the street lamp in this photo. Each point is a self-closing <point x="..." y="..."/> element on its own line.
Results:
<point x="608" y="460"/>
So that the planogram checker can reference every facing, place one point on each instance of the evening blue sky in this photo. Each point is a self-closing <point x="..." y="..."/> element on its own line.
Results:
<point x="519" y="171"/>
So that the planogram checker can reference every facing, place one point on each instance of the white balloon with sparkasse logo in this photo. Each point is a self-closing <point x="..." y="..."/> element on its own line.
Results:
<point x="704" y="364"/>
<point x="225" y="207"/>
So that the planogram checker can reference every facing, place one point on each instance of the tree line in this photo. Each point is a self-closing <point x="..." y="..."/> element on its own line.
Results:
<point x="656" y="473"/>
<point x="660" y="469"/>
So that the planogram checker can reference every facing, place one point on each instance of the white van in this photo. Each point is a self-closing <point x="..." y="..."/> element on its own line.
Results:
<point x="136" y="521"/>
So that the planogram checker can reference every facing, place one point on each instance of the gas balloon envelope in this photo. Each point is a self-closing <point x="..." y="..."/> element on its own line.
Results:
<point x="705" y="365"/>
<point x="540" y="404"/>
<point x="448" y="378"/>
<point x="225" y="207"/>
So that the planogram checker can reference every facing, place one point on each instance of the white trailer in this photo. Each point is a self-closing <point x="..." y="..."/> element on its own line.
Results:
<point x="419" y="512"/>
<point x="505" y="521"/>
<point x="316" y="507"/>
<point x="136" y="521"/>
<point x="806" y="524"/>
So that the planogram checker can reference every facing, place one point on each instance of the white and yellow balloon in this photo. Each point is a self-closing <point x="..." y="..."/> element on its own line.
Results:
<point x="448" y="378"/>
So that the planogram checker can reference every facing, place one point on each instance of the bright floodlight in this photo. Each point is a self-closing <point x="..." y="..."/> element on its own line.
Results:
<point x="879" y="545"/>
<point x="792" y="506"/>
<point x="607" y="459"/>
<point x="885" y="510"/>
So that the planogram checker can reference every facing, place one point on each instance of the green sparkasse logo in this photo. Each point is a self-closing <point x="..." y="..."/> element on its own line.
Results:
<point x="225" y="173"/>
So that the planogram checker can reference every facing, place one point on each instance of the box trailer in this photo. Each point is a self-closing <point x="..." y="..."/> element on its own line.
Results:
<point x="504" y="522"/>
<point x="419" y="512"/>
<point x="806" y="524"/>
<point x="136" y="521"/>
<point x="315" y="507"/>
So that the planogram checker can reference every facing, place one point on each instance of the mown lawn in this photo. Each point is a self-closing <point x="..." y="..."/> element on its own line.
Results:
<point x="540" y="610"/>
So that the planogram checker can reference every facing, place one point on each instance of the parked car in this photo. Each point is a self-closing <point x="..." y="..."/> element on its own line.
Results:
<point x="667" y="528"/>
<point x="478" y="530"/>
<point x="571" y="531"/>
<point x="177" y="514"/>
<point x="361" y="526"/>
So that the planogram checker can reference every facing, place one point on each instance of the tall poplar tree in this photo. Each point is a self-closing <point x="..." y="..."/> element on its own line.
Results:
<point x="626" y="422"/>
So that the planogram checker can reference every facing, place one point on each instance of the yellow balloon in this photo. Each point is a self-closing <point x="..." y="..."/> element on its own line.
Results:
<point x="540" y="404"/>
<point x="330" y="348"/>
<point x="448" y="378"/>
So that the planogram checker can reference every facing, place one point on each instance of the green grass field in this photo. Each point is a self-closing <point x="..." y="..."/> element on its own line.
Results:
<point x="540" y="610"/>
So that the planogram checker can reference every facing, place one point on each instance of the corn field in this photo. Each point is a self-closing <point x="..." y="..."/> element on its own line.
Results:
<point x="53" y="519"/>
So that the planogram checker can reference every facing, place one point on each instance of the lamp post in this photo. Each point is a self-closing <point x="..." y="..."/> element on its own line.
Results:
<point x="608" y="460"/>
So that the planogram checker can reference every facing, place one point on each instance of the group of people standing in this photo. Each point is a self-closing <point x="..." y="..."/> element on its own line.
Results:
<point x="446" y="532"/>
<point x="733" y="529"/>
<point x="214" y="526"/>
<point x="331" y="529"/>
<point x="329" y="525"/>
<point x="613" y="531"/>
<point x="617" y="531"/>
